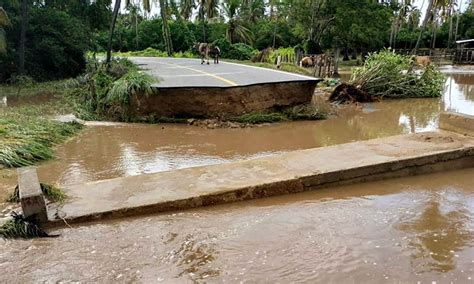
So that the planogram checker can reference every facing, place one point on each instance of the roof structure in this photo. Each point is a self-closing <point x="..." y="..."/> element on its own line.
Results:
<point x="465" y="41"/>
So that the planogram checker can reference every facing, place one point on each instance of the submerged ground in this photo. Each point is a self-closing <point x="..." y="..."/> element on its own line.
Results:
<point x="413" y="229"/>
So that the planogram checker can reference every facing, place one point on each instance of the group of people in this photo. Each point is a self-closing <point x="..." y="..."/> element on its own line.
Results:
<point x="207" y="50"/>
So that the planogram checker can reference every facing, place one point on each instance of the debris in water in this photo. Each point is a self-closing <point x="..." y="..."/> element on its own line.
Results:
<point x="22" y="227"/>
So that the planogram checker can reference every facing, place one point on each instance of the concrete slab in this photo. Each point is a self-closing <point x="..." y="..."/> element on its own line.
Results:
<point x="280" y="174"/>
<point x="184" y="72"/>
<point x="32" y="199"/>
<point x="457" y="122"/>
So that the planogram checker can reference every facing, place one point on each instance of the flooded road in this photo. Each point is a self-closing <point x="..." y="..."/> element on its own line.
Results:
<point x="412" y="229"/>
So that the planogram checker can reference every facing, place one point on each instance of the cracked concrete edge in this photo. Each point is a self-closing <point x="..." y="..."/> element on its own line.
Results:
<point x="457" y="122"/>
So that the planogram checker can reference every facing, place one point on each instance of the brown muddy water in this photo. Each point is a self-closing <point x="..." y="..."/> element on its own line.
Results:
<point x="403" y="230"/>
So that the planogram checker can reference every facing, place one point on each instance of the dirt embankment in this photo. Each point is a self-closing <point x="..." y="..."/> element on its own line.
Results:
<point x="222" y="102"/>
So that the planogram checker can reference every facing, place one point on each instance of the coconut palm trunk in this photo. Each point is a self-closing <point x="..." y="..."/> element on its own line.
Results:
<point x="428" y="15"/>
<point x="451" y="14"/>
<point x="112" y="29"/>
<point x="457" y="21"/>
<point x="24" y="24"/>
<point x="4" y="22"/>
<point x="165" y="27"/>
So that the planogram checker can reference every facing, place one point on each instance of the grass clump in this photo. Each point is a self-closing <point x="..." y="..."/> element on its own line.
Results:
<point x="106" y="91"/>
<point x="387" y="74"/>
<point x="26" y="138"/>
<point x="299" y="112"/>
<point x="21" y="227"/>
<point x="305" y="112"/>
<point x="51" y="192"/>
<point x="257" y="118"/>
<point x="14" y="197"/>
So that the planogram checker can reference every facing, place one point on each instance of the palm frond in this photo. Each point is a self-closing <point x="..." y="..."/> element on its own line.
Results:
<point x="4" y="20"/>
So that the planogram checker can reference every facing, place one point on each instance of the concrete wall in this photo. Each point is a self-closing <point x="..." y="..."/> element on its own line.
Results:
<point x="457" y="122"/>
<point x="219" y="102"/>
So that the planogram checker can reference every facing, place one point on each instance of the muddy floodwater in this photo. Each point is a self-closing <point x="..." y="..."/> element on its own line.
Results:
<point x="401" y="230"/>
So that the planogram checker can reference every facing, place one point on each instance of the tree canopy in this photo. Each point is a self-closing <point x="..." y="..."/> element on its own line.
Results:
<point x="55" y="35"/>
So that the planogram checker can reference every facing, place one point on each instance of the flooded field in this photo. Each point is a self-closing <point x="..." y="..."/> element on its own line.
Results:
<point x="412" y="229"/>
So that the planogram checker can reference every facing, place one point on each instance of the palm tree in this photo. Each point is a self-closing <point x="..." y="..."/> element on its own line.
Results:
<point x="4" y="22"/>
<point x="428" y="16"/>
<point x="404" y="8"/>
<point x="112" y="28"/>
<point x="235" y="26"/>
<point x="147" y="7"/>
<point x="165" y="26"/>
<point x="207" y="10"/>
<point x="186" y="8"/>
<point x="134" y="12"/>
<point x="24" y="24"/>
<point x="442" y="13"/>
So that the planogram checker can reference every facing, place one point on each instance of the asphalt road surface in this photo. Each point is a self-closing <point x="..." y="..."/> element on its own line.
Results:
<point x="184" y="72"/>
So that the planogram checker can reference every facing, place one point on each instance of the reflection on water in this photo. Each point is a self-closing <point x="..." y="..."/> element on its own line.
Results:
<point x="102" y="152"/>
<point x="443" y="229"/>
<point x="459" y="93"/>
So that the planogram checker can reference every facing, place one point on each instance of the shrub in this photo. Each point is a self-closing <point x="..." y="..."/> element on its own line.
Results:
<point x="101" y="94"/>
<point x="387" y="74"/>
<point x="55" y="46"/>
<point x="241" y="51"/>
<point x="288" y="52"/>
<point x="238" y="51"/>
<point x="224" y="45"/>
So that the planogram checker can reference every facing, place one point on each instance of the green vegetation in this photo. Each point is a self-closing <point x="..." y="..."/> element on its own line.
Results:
<point x="26" y="137"/>
<point x="299" y="112"/>
<point x="21" y="227"/>
<point x="288" y="67"/>
<point x="51" y="192"/>
<point x="48" y="39"/>
<point x="386" y="74"/>
<point x="151" y="52"/>
<point x="106" y="91"/>
<point x="256" y="118"/>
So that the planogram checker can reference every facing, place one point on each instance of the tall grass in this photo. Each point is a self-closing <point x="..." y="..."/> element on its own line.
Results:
<point x="105" y="91"/>
<point x="26" y="137"/>
<point x="51" y="192"/>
